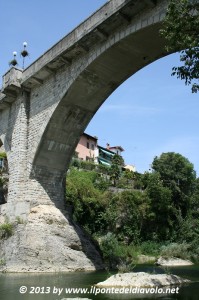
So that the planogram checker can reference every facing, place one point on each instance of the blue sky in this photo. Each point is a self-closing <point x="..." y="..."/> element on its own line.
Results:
<point x="150" y="113"/>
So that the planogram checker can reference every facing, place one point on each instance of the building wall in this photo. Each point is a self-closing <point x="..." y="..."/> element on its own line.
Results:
<point x="87" y="148"/>
<point x="116" y="151"/>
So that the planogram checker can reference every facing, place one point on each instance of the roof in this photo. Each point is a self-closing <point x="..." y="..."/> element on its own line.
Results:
<point x="117" y="147"/>
<point x="106" y="150"/>
<point x="90" y="136"/>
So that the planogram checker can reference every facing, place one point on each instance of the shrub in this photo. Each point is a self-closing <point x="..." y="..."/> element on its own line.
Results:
<point x="6" y="230"/>
<point x="116" y="254"/>
<point x="176" y="250"/>
<point x="150" y="248"/>
<point x="3" y="155"/>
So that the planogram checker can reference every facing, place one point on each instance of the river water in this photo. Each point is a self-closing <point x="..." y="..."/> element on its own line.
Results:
<point x="49" y="286"/>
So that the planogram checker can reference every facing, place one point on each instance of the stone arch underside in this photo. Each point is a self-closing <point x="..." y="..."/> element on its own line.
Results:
<point x="89" y="91"/>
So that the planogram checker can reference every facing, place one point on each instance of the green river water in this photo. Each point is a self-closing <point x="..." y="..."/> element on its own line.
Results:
<point x="45" y="286"/>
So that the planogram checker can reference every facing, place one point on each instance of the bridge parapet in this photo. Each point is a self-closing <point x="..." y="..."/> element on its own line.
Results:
<point x="12" y="80"/>
<point x="10" y="87"/>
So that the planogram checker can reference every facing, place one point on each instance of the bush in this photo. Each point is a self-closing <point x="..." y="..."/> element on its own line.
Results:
<point x="3" y="155"/>
<point x="150" y="248"/>
<point x="6" y="230"/>
<point x="176" y="250"/>
<point x="87" y="165"/>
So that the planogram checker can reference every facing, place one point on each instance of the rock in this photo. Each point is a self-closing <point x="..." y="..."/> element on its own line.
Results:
<point x="141" y="279"/>
<point x="48" y="242"/>
<point x="173" y="262"/>
<point x="142" y="259"/>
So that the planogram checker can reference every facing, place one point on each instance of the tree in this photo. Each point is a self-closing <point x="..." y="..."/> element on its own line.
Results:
<point x="129" y="176"/>
<point x="176" y="173"/>
<point x="116" y="168"/>
<point x="161" y="216"/>
<point x="114" y="173"/>
<point x="181" y="30"/>
<point x="118" y="160"/>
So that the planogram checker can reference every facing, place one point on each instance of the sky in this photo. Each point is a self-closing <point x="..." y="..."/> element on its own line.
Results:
<point x="150" y="113"/>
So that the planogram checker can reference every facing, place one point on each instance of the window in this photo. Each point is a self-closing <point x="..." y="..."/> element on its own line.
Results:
<point x="92" y="146"/>
<point x="88" y="145"/>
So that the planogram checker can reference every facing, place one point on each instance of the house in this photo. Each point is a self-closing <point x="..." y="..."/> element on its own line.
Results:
<point x="131" y="168"/>
<point x="116" y="149"/>
<point x="105" y="156"/>
<point x="87" y="148"/>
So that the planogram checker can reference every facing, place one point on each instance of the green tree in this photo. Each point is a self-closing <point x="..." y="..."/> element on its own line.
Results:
<point x="176" y="173"/>
<point x="129" y="176"/>
<point x="117" y="160"/>
<point x="181" y="30"/>
<point x="125" y="215"/>
<point x="160" y="222"/>
<point x="114" y="172"/>
<point x="116" y="168"/>
<point x="85" y="199"/>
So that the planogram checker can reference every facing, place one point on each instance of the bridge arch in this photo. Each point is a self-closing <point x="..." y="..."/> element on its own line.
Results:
<point x="92" y="86"/>
<point x="46" y="107"/>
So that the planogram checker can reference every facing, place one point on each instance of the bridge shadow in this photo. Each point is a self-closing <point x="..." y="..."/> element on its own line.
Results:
<point x="54" y="185"/>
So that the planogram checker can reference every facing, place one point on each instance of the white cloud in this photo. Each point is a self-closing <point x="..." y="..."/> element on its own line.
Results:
<point x="126" y="109"/>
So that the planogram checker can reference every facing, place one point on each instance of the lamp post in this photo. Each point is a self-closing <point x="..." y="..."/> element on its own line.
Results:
<point x="24" y="52"/>
<point x="13" y="62"/>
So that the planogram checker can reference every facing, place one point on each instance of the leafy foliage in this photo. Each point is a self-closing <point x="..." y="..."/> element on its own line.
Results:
<point x="176" y="250"/>
<point x="177" y="174"/>
<point x="181" y="30"/>
<point x="116" y="168"/>
<point x="6" y="230"/>
<point x="3" y="155"/>
<point x="161" y="208"/>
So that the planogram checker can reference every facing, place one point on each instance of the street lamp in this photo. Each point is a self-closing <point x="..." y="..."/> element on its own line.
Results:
<point x="13" y="62"/>
<point x="24" y="52"/>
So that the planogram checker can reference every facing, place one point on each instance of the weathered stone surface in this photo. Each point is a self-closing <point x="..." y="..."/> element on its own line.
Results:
<point x="48" y="242"/>
<point x="173" y="262"/>
<point x="141" y="279"/>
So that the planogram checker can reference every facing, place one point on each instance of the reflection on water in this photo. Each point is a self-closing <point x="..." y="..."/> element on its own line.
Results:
<point x="52" y="286"/>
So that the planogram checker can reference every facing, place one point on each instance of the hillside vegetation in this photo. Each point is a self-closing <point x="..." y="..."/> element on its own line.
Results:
<point x="151" y="213"/>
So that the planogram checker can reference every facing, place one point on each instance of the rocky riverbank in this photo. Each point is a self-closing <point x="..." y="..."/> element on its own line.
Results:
<point x="142" y="279"/>
<point x="173" y="261"/>
<point x="48" y="242"/>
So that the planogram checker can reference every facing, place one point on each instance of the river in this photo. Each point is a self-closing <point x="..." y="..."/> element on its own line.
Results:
<point x="49" y="286"/>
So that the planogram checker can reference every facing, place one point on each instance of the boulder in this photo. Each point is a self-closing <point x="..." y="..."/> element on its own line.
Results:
<point x="173" y="262"/>
<point x="142" y="279"/>
<point x="48" y="241"/>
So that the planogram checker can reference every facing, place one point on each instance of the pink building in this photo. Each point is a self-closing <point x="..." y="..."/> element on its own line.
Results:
<point x="87" y="148"/>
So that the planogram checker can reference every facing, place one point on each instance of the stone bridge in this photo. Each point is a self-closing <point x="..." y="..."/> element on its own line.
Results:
<point x="46" y="107"/>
